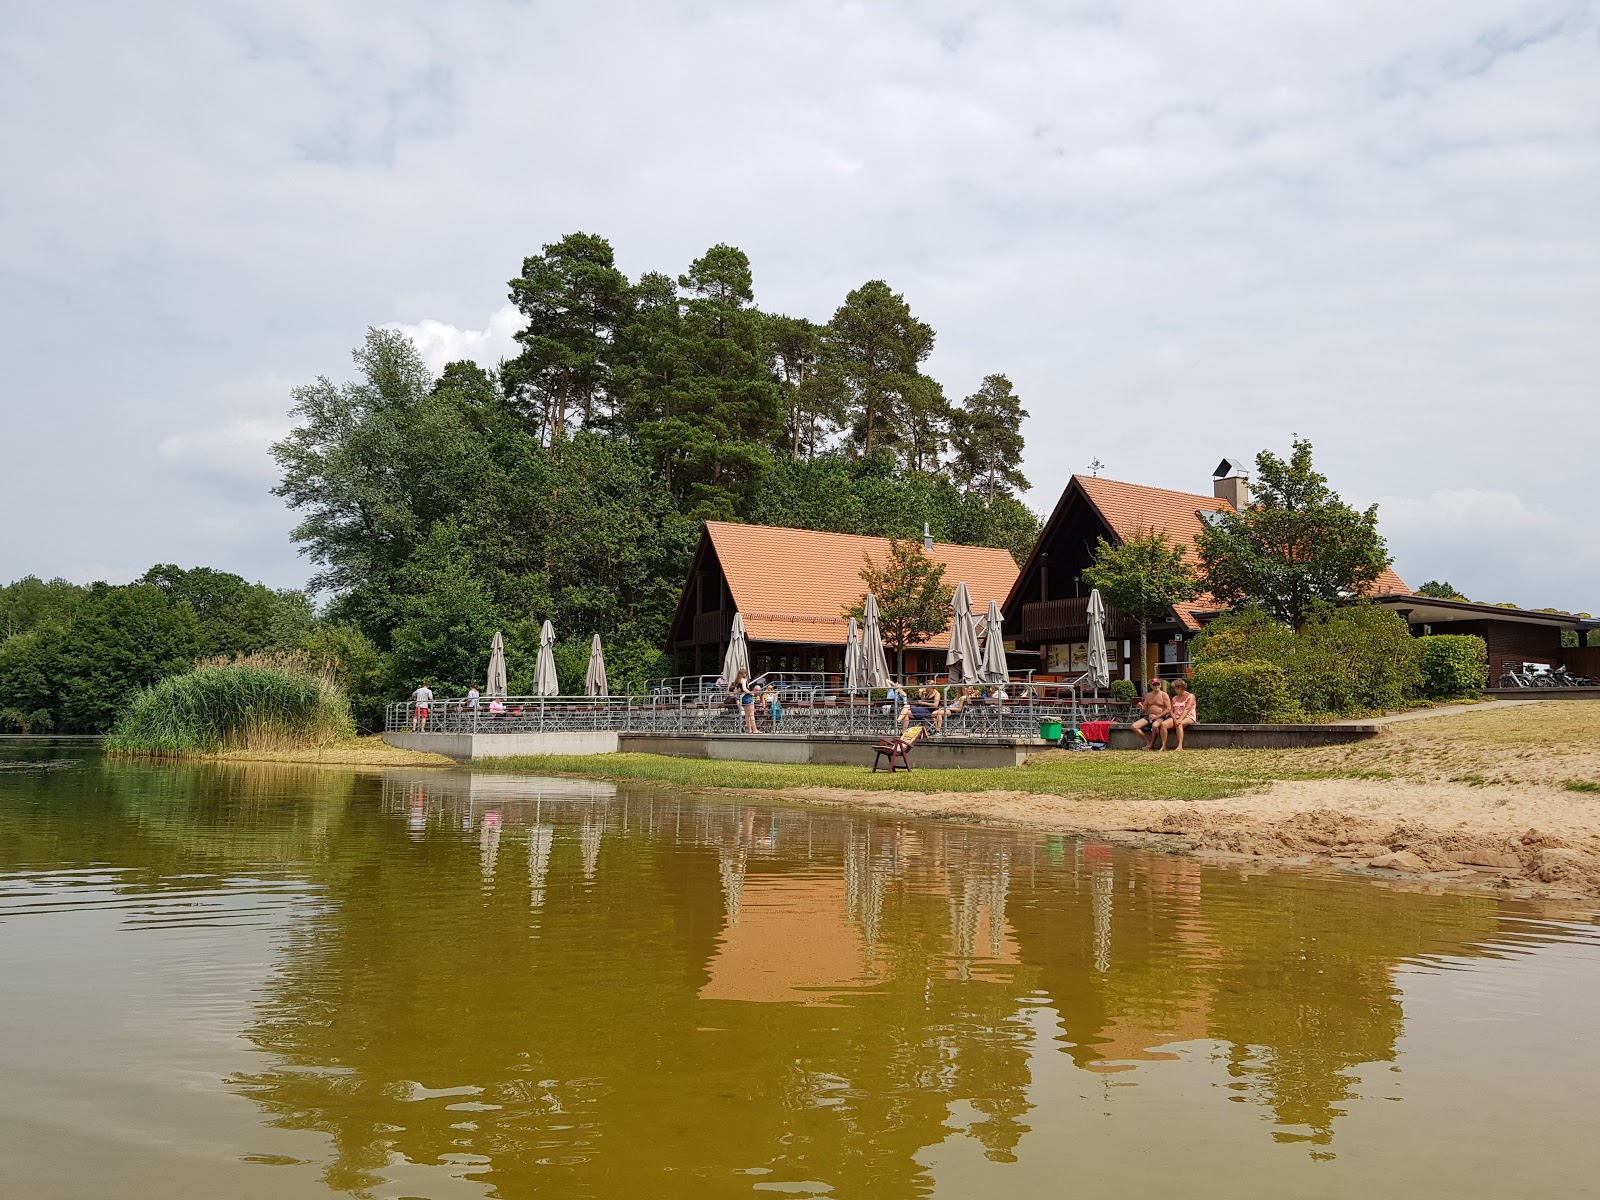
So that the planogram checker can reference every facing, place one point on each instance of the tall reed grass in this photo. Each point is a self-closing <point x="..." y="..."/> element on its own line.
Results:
<point x="255" y="702"/>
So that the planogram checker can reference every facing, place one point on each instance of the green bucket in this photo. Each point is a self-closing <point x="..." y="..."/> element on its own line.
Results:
<point x="1050" y="731"/>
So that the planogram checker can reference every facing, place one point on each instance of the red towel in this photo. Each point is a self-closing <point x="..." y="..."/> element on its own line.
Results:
<point x="1095" y="731"/>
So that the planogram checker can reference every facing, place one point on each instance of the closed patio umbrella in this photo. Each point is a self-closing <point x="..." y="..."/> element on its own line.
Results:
<point x="545" y="682"/>
<point x="995" y="668"/>
<point x="1099" y="662"/>
<point x="963" y="661"/>
<point x="874" y="666"/>
<point x="738" y="656"/>
<point x="497" y="667"/>
<point x="852" y="659"/>
<point x="594" y="680"/>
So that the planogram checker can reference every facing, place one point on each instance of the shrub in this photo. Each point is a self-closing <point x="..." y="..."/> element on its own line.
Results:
<point x="1354" y="659"/>
<point x="1244" y="635"/>
<point x="1245" y="693"/>
<point x="1344" y="660"/>
<point x="260" y="703"/>
<point x="1452" y="665"/>
<point x="1125" y="690"/>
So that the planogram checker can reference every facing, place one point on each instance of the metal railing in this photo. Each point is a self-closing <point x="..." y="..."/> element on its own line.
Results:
<point x="1015" y="710"/>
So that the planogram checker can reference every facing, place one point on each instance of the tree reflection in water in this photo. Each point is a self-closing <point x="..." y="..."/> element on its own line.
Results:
<point x="567" y="989"/>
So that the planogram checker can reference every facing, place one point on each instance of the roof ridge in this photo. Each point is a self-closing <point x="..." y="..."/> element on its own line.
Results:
<point x="1145" y="487"/>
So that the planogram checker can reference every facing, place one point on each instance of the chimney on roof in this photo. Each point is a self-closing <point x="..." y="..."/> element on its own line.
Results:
<point x="927" y="537"/>
<point x="1230" y="483"/>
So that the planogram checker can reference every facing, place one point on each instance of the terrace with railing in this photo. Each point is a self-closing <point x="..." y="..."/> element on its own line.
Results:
<point x="807" y="704"/>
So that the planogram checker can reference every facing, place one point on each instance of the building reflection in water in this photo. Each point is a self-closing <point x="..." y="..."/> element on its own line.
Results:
<point x="729" y="987"/>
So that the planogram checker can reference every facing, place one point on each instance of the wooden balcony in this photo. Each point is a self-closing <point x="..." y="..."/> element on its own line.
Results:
<point x="712" y="627"/>
<point x="1068" y="621"/>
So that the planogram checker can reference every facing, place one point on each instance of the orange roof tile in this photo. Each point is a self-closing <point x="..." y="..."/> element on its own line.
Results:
<point x="793" y="584"/>
<point x="1132" y="508"/>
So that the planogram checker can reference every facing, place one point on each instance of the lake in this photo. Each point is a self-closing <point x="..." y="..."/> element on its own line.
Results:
<point x="265" y="981"/>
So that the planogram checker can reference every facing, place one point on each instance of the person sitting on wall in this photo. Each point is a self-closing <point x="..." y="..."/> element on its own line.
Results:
<point x="1184" y="710"/>
<point x="1157" y="708"/>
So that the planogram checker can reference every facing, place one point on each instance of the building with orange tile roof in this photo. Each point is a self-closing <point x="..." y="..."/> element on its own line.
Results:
<point x="1047" y="609"/>
<point x="792" y="587"/>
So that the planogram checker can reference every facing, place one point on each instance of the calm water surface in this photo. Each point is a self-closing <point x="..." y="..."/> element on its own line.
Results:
<point x="274" y="982"/>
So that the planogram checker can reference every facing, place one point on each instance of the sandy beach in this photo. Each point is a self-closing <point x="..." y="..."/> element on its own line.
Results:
<point x="1506" y="798"/>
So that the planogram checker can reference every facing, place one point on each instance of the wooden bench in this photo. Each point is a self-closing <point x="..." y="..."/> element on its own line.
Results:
<point x="896" y="749"/>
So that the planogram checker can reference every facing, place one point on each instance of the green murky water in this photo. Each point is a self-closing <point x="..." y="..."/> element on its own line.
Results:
<point x="271" y="982"/>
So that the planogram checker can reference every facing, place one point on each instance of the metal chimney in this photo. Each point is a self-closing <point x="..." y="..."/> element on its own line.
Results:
<point x="1230" y="483"/>
<point x="927" y="537"/>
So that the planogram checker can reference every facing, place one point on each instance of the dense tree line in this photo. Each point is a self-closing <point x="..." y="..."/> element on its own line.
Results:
<point x="71" y="656"/>
<point x="570" y="482"/>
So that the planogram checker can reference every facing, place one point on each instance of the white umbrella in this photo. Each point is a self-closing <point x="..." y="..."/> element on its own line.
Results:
<point x="497" y="667"/>
<point x="963" y="661"/>
<point x="852" y="659"/>
<point x="874" y="666"/>
<point x="594" y="680"/>
<point x="995" y="669"/>
<point x="1099" y="663"/>
<point x="545" y="682"/>
<point x="738" y="656"/>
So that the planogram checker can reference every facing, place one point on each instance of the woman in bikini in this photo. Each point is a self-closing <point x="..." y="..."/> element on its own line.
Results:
<point x="1184" y="706"/>
<point x="746" y="696"/>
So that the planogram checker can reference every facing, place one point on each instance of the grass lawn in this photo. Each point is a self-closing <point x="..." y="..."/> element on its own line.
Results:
<point x="1552" y="744"/>
<point x="1129" y="775"/>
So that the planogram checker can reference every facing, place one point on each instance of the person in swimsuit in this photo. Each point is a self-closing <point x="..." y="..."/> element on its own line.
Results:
<point x="1157" y="715"/>
<point x="746" y="697"/>
<point x="1184" y="706"/>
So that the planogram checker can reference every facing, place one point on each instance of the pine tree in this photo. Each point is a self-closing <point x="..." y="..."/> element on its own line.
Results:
<point x="720" y="414"/>
<point x="574" y="299"/>
<point x="879" y="347"/>
<point x="987" y="434"/>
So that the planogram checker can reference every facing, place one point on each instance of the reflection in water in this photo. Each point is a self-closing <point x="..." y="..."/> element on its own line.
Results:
<point x="688" y="991"/>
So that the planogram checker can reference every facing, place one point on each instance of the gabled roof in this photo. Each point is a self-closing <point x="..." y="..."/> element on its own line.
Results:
<point x="1132" y="508"/>
<point x="793" y="584"/>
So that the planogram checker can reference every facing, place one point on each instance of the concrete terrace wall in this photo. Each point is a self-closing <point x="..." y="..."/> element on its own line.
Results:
<point x="836" y="750"/>
<point x="469" y="747"/>
<point x="847" y="750"/>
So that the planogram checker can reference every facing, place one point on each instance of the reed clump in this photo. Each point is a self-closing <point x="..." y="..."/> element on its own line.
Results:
<point x="266" y="702"/>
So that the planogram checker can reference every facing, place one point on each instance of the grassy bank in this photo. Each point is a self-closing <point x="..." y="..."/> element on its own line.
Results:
<point x="1189" y="776"/>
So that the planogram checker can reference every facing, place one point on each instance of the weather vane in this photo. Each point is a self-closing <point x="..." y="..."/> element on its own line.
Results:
<point x="1096" y="467"/>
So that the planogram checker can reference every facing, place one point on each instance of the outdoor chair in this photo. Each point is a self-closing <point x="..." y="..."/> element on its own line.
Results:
<point x="896" y="749"/>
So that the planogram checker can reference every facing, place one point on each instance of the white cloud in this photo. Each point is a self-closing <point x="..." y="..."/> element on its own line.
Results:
<point x="1496" y="548"/>
<point x="1183" y="230"/>
<point x="440" y="343"/>
<point x="237" y="452"/>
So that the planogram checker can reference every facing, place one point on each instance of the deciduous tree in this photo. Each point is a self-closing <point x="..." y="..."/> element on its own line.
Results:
<point x="1142" y="578"/>
<point x="913" y="599"/>
<point x="1296" y="546"/>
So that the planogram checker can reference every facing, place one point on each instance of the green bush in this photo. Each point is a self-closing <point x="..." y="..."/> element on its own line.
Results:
<point x="1452" y="665"/>
<point x="1358" y="658"/>
<point x="256" y="704"/>
<point x="1125" y="690"/>
<point x="1243" y="693"/>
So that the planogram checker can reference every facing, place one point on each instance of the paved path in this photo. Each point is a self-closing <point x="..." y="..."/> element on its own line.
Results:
<point x="1447" y="710"/>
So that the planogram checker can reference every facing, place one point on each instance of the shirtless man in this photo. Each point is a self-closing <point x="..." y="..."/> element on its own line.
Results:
<point x="1157" y="717"/>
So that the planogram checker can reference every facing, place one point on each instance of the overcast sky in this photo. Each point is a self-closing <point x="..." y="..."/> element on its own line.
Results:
<point x="1185" y="230"/>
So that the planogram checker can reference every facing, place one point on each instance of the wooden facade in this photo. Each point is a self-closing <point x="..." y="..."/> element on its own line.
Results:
<point x="1513" y="636"/>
